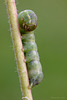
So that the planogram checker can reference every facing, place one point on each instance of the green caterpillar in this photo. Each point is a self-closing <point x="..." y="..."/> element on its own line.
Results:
<point x="27" y="23"/>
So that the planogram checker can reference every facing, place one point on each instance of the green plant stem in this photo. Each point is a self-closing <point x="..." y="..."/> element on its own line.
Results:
<point x="18" y="48"/>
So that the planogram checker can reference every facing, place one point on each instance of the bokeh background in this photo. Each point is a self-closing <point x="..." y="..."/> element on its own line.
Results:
<point x="51" y="38"/>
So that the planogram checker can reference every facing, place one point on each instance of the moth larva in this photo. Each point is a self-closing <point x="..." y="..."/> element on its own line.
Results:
<point x="27" y="23"/>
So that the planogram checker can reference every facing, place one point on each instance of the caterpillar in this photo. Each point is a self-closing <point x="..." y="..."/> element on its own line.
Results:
<point x="27" y="24"/>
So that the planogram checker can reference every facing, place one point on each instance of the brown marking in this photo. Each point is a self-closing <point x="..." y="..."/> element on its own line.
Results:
<point x="21" y="18"/>
<point x="23" y="25"/>
<point x="28" y="29"/>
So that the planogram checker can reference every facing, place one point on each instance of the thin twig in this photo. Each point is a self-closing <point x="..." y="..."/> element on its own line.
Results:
<point x="18" y="48"/>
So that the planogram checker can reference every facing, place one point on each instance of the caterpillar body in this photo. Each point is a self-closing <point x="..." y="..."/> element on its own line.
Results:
<point x="27" y="23"/>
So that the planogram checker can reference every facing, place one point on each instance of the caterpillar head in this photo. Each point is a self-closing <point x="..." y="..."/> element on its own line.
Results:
<point x="27" y="21"/>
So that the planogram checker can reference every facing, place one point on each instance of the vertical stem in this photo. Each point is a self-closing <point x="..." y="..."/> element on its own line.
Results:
<point x="18" y="48"/>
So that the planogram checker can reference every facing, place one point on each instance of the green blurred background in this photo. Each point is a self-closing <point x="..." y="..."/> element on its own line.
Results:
<point x="51" y="38"/>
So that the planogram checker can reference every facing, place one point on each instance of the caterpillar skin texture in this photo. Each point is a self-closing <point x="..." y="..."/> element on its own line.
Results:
<point x="27" y="23"/>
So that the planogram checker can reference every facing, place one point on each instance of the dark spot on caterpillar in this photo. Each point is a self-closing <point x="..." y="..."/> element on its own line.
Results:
<point x="27" y="28"/>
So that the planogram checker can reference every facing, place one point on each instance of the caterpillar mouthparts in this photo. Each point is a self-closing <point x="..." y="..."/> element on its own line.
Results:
<point x="27" y="23"/>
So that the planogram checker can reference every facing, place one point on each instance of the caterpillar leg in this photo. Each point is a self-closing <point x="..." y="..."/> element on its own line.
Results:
<point x="30" y="86"/>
